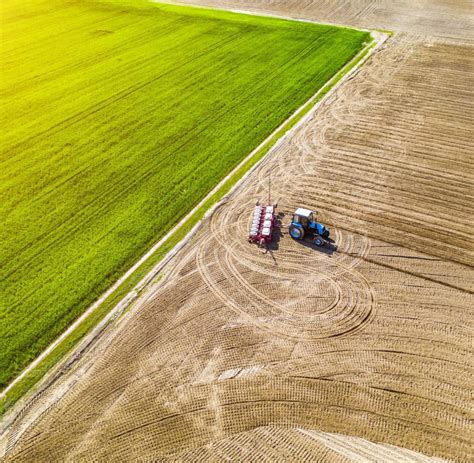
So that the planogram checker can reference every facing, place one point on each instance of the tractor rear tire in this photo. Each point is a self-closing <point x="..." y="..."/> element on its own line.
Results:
<point x="296" y="233"/>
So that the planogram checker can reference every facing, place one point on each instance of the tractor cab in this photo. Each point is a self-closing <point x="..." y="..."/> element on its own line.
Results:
<point x="303" y="216"/>
<point x="304" y="222"/>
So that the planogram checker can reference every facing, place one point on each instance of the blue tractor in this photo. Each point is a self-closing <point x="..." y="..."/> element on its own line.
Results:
<point x="304" y="224"/>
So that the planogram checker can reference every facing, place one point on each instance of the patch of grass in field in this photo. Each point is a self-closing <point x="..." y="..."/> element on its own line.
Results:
<point x="117" y="119"/>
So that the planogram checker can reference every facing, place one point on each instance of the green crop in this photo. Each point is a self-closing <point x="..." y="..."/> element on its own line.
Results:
<point x="118" y="118"/>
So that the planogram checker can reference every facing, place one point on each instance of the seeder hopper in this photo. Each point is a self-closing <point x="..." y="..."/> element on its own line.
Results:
<point x="262" y="225"/>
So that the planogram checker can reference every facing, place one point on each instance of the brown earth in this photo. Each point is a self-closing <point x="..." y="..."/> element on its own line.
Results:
<point x="243" y="355"/>
<point x="440" y="18"/>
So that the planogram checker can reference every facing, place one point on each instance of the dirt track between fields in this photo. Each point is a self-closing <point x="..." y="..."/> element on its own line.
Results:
<point x="240" y="354"/>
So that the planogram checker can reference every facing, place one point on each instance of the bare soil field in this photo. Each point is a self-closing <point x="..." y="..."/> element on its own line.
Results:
<point x="242" y="354"/>
<point x="441" y="18"/>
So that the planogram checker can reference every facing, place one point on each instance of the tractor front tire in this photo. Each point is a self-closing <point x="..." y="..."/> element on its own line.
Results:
<point x="325" y="235"/>
<point x="319" y="242"/>
<point x="296" y="233"/>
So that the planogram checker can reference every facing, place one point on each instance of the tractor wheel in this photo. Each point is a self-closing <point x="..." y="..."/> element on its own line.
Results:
<point x="318" y="242"/>
<point x="296" y="233"/>
<point x="326" y="234"/>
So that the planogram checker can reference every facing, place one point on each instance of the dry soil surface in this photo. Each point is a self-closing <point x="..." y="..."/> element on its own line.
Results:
<point x="241" y="354"/>
<point x="440" y="18"/>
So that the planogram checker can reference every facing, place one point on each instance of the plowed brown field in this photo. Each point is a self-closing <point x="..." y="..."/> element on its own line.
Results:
<point x="441" y="18"/>
<point x="244" y="355"/>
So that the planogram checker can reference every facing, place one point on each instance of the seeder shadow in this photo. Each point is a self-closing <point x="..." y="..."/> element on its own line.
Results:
<point x="277" y="233"/>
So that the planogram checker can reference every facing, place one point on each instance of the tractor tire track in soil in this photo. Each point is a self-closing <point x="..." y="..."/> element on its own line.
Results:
<point x="358" y="354"/>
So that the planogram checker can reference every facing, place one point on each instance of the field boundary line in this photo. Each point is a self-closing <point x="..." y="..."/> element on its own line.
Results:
<point x="286" y="128"/>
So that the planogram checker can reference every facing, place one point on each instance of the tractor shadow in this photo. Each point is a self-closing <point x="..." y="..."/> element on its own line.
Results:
<point x="329" y="249"/>
<point x="278" y="233"/>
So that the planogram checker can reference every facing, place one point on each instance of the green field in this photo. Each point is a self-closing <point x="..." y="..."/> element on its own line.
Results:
<point x="117" y="119"/>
